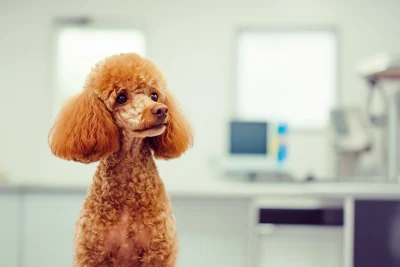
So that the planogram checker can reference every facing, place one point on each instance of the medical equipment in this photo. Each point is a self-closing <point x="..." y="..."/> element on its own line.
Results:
<point x="352" y="138"/>
<point x="376" y="70"/>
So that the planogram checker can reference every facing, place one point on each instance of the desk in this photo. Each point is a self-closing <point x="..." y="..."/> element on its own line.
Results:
<point x="216" y="220"/>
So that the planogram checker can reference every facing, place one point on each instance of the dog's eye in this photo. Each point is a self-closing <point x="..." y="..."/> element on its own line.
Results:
<point x="154" y="97"/>
<point x="121" y="99"/>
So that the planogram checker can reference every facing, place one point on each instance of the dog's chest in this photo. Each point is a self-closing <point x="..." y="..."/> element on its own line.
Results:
<point x="126" y="237"/>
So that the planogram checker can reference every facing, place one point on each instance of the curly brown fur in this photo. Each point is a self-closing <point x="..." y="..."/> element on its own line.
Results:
<point x="126" y="219"/>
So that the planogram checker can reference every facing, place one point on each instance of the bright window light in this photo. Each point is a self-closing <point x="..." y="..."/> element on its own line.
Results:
<point x="80" y="48"/>
<point x="288" y="76"/>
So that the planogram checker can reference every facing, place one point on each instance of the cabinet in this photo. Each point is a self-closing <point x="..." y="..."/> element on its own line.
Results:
<point x="9" y="230"/>
<point x="49" y="228"/>
<point x="297" y="246"/>
<point x="298" y="233"/>
<point x="377" y="233"/>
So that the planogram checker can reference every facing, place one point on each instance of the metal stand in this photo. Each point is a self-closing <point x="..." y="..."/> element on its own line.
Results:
<point x="375" y="69"/>
<point x="389" y="124"/>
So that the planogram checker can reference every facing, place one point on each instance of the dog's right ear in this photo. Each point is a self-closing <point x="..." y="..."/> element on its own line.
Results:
<point x="177" y="137"/>
<point x="84" y="130"/>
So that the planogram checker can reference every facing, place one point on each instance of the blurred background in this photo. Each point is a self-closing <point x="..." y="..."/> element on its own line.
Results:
<point x="294" y="105"/>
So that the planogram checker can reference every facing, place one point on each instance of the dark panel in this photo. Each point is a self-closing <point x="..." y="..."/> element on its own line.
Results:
<point x="333" y="217"/>
<point x="377" y="234"/>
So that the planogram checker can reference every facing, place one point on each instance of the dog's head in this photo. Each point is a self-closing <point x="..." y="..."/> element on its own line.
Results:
<point x="125" y="97"/>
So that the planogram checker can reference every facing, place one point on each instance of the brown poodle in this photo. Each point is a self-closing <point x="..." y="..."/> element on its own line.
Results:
<point x="123" y="117"/>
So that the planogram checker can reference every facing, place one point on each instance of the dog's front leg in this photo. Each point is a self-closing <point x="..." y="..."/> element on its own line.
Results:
<point x="89" y="248"/>
<point x="160" y="254"/>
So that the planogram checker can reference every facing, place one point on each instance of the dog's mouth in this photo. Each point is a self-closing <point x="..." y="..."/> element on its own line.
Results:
<point x="152" y="131"/>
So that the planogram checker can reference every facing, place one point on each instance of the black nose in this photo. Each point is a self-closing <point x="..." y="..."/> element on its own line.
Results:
<point x="160" y="111"/>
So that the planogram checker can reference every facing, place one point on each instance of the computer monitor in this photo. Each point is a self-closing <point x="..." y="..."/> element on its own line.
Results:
<point x="248" y="138"/>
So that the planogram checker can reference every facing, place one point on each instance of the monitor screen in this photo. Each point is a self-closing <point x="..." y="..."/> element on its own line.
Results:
<point x="248" y="138"/>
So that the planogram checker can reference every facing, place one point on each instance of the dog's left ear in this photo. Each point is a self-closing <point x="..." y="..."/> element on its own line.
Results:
<point x="177" y="137"/>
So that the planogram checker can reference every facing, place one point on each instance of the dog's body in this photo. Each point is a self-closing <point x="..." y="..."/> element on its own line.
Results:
<point x="124" y="115"/>
<point x="127" y="219"/>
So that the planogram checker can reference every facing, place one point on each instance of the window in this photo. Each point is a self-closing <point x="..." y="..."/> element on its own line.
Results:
<point x="79" y="48"/>
<point x="288" y="76"/>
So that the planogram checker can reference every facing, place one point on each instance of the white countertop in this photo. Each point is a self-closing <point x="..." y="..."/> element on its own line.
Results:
<point x="229" y="189"/>
<point x="241" y="189"/>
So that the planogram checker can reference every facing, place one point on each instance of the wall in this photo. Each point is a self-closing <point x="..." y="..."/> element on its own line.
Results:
<point x="193" y="42"/>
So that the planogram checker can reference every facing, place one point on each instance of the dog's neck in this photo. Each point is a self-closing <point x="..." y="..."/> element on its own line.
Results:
<point x="130" y="176"/>
<point x="133" y="151"/>
<point x="133" y="163"/>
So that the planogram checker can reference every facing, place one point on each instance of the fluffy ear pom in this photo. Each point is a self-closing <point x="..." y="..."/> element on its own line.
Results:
<point x="84" y="130"/>
<point x="177" y="137"/>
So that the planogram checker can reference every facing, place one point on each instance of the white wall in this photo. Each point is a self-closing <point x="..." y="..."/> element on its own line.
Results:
<point x="193" y="42"/>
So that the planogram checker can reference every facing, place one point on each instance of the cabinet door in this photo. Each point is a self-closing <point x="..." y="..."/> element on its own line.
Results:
<point x="9" y="230"/>
<point x="49" y="228"/>
<point x="300" y="246"/>
<point x="377" y="230"/>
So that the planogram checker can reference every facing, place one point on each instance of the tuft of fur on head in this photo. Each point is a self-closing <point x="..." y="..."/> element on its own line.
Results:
<point x="123" y="71"/>
<point x="84" y="131"/>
